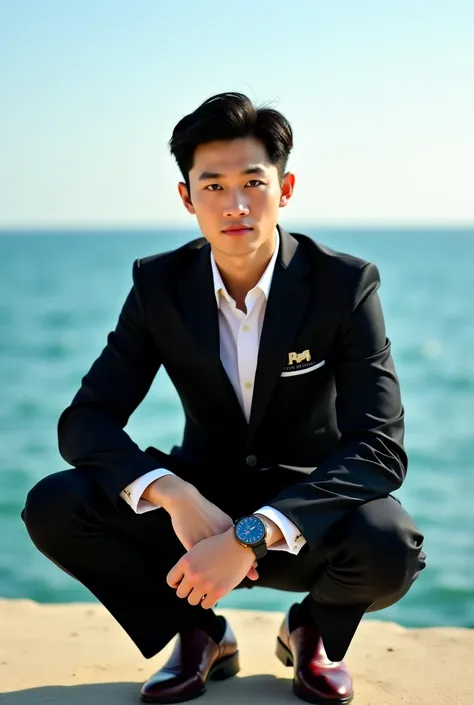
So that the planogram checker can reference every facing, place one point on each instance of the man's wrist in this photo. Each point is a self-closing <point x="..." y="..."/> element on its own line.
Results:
<point x="273" y="531"/>
<point x="168" y="491"/>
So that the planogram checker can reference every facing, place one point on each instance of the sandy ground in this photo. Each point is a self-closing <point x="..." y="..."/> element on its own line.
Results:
<point x="77" y="654"/>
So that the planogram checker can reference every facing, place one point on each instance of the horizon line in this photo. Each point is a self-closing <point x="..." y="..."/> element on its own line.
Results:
<point x="155" y="227"/>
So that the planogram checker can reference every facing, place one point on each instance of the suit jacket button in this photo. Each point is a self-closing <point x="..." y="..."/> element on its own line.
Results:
<point x="251" y="460"/>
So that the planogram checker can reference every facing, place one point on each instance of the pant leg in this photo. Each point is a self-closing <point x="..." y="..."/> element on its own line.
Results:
<point x="369" y="561"/>
<point x="121" y="557"/>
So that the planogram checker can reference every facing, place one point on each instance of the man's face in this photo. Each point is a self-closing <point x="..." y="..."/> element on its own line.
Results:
<point x="235" y="194"/>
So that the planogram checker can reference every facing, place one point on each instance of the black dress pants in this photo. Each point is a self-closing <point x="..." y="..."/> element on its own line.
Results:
<point x="369" y="559"/>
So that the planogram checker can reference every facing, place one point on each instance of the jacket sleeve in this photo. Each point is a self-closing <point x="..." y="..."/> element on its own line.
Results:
<point x="370" y="461"/>
<point x="91" y="430"/>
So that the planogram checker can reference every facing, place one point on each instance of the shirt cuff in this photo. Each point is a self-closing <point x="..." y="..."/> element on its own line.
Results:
<point x="293" y="538"/>
<point x="132" y="493"/>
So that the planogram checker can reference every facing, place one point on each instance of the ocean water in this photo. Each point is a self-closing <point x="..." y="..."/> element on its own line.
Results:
<point x="60" y="294"/>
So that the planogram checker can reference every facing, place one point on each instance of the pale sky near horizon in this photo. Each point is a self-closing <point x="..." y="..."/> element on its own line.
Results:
<point x="380" y="96"/>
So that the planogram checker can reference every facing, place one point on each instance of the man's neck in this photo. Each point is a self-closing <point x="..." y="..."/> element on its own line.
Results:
<point x="241" y="274"/>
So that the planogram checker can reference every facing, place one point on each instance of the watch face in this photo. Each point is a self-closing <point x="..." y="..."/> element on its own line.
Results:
<point x="250" y="530"/>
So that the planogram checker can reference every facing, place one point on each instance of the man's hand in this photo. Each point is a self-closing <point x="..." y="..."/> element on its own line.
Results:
<point x="211" y="569"/>
<point x="193" y="517"/>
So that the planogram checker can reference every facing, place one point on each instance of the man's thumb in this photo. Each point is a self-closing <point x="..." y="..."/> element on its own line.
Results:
<point x="252" y="574"/>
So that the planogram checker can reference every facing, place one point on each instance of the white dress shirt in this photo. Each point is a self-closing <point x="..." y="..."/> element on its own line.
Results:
<point x="239" y="335"/>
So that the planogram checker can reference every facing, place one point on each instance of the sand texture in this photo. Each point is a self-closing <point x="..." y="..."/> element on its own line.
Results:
<point x="76" y="654"/>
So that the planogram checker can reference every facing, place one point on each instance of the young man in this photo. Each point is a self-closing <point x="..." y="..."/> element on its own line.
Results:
<point x="293" y="440"/>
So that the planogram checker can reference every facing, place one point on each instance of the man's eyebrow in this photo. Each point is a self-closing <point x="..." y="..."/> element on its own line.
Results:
<point x="207" y="175"/>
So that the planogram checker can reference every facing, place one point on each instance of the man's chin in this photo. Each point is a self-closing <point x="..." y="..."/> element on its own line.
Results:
<point x="240" y="249"/>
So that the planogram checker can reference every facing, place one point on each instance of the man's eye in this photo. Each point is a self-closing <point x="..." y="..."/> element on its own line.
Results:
<point x="218" y="187"/>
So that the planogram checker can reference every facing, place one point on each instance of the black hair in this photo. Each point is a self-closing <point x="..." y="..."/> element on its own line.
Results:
<point x="228" y="116"/>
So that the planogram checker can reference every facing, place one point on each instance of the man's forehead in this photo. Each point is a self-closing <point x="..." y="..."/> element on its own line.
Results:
<point x="231" y="156"/>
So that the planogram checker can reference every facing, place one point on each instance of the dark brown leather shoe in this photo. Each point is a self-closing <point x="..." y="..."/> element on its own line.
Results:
<point x="196" y="658"/>
<point x="316" y="679"/>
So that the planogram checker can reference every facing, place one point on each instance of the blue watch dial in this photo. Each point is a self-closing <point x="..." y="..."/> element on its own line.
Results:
<point x="250" y="530"/>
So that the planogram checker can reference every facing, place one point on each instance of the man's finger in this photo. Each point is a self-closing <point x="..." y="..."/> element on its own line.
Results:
<point x="195" y="596"/>
<point x="184" y="588"/>
<point x="209" y="601"/>
<point x="175" y="575"/>
<point x="252" y="574"/>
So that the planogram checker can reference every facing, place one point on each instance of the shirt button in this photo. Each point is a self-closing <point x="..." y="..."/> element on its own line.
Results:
<point x="248" y="385"/>
<point x="251" y="460"/>
<point x="246" y="329"/>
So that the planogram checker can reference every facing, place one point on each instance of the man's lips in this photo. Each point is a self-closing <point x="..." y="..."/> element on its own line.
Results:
<point x="237" y="229"/>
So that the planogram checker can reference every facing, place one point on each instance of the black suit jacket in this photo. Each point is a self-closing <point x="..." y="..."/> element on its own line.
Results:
<point x="344" y="417"/>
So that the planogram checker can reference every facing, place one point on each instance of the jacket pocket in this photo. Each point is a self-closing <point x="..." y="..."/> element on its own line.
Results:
<point x="304" y="370"/>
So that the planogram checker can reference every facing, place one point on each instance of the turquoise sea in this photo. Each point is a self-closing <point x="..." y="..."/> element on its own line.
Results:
<point x="60" y="294"/>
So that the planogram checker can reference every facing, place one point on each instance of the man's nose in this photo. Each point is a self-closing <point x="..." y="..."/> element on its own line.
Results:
<point x="237" y="205"/>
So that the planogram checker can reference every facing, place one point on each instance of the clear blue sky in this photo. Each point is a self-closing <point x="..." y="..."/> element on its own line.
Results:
<point x="380" y="94"/>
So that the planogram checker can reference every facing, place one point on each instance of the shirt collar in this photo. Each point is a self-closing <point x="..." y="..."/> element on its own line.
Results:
<point x="263" y="284"/>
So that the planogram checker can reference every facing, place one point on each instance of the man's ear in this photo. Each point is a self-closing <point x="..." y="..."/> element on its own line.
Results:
<point x="186" y="198"/>
<point x="287" y="187"/>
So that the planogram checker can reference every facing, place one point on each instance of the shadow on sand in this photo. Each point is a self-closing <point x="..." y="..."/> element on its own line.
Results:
<point x="264" y="689"/>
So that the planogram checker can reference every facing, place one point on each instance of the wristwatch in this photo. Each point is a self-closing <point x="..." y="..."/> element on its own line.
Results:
<point x="250" y="531"/>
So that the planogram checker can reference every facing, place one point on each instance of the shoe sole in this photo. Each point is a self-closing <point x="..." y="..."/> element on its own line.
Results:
<point x="220" y="671"/>
<point x="286" y="657"/>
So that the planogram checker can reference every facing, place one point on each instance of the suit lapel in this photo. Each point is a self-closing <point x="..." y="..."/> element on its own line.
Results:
<point x="198" y="303"/>
<point x="289" y="295"/>
<point x="199" y="308"/>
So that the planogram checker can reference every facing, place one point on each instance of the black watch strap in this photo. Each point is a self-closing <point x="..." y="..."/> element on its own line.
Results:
<point x="260" y="550"/>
